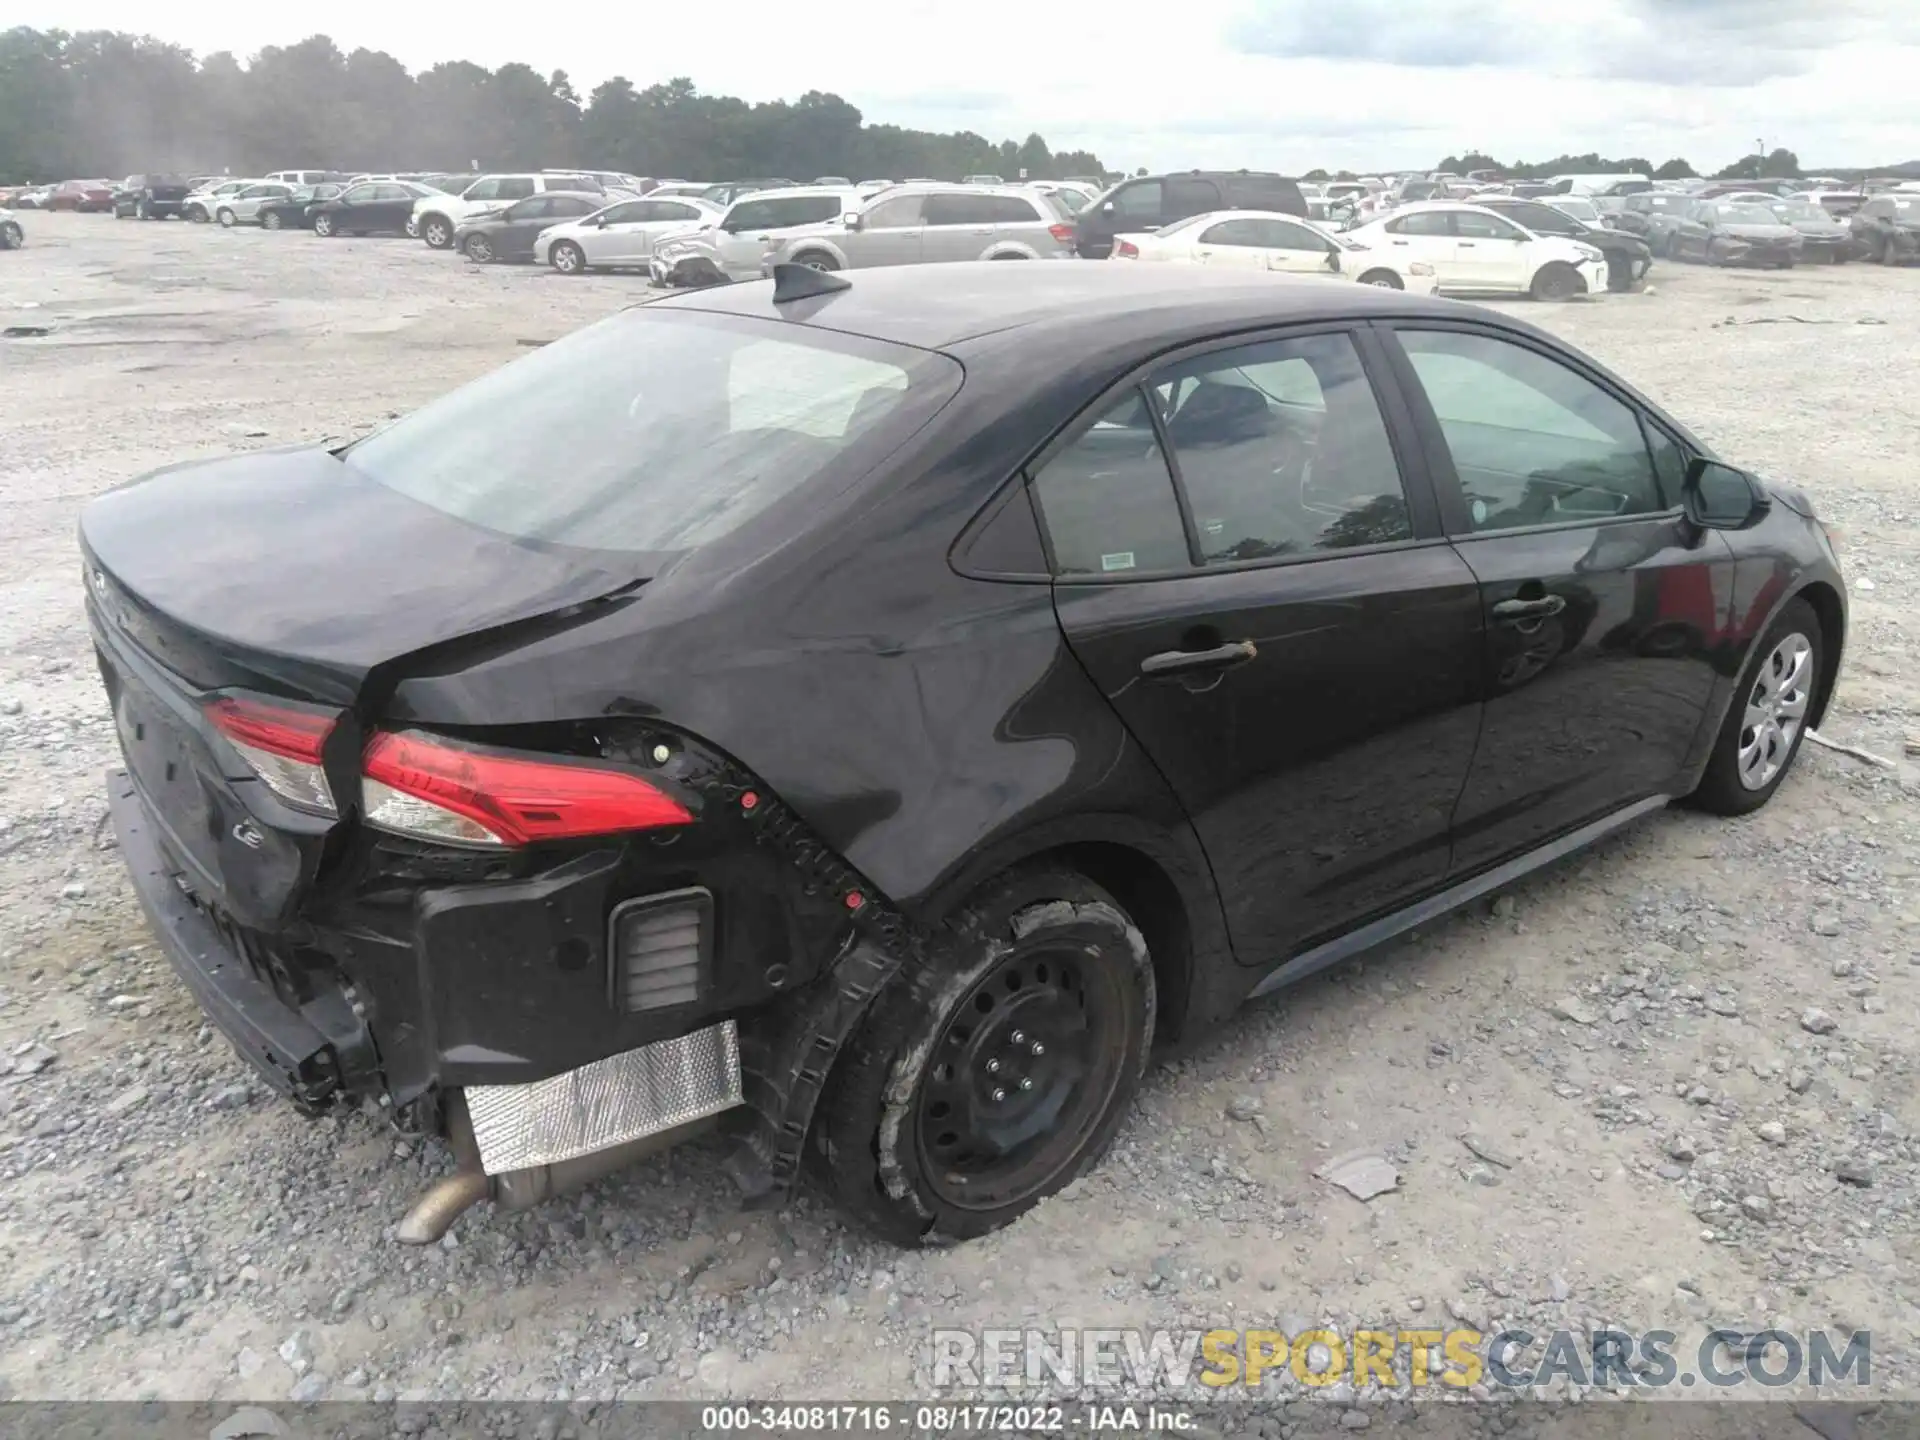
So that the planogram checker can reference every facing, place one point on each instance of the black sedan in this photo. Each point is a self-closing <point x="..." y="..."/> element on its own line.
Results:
<point x="1628" y="256"/>
<point x="1887" y="228"/>
<point x="509" y="234"/>
<point x="377" y="207"/>
<point x="872" y="712"/>
<point x="296" y="211"/>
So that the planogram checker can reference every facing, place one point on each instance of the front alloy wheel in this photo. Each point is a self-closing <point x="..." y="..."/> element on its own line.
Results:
<point x="479" y="248"/>
<point x="1769" y="716"/>
<point x="323" y="225"/>
<point x="567" y="258"/>
<point x="437" y="232"/>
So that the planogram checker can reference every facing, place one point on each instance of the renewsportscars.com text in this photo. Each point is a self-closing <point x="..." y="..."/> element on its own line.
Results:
<point x="1456" y="1359"/>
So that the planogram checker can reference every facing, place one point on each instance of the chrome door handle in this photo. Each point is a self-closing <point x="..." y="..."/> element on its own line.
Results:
<point x="1529" y="609"/>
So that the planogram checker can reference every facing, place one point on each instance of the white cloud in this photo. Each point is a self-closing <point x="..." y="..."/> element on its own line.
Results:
<point x="1284" y="84"/>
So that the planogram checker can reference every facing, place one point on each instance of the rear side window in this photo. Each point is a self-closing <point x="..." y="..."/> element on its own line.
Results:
<point x="1012" y="210"/>
<point x="1107" y="499"/>
<point x="961" y="209"/>
<point x="1266" y="192"/>
<point x="1231" y="232"/>
<point x="571" y="205"/>
<point x="656" y="432"/>
<point x="515" y="187"/>
<point x="1533" y="441"/>
<point x="1281" y="450"/>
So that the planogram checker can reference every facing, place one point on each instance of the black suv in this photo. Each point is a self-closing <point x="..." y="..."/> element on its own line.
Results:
<point x="1151" y="201"/>
<point x="150" y="197"/>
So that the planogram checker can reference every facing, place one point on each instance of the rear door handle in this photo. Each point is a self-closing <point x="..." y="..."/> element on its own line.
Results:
<point x="1529" y="609"/>
<point x="1185" y="662"/>
<point x="1466" y="244"/>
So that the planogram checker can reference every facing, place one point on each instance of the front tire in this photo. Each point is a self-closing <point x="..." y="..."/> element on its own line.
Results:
<point x="12" y="237"/>
<point x="226" y="219"/>
<point x="568" y="258"/>
<point x="479" y="249"/>
<point x="437" y="231"/>
<point x="995" y="1074"/>
<point x="323" y="226"/>
<point x="1768" y="716"/>
<point x="1557" y="281"/>
<point x="816" y="260"/>
<point x="271" y="220"/>
<point x="412" y="228"/>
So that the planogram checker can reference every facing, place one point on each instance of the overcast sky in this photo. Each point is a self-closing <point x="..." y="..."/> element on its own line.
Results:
<point x="1280" y="84"/>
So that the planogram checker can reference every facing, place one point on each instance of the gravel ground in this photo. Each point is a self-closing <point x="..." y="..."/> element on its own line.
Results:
<point x="1686" y="1060"/>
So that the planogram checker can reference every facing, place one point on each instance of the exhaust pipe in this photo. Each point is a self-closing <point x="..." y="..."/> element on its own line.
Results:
<point x="447" y="1199"/>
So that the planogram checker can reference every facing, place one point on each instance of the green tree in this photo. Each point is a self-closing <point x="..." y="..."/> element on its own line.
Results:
<point x="1675" y="169"/>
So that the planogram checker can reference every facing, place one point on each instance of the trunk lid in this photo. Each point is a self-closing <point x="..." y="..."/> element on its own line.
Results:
<point x="281" y="574"/>
<point x="291" y="572"/>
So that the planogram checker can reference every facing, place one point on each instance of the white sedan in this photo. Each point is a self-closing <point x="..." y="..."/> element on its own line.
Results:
<point x="1268" y="240"/>
<point x="621" y="235"/>
<point x="1474" y="250"/>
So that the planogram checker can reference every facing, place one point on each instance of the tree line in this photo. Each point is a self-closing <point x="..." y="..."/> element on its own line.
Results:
<point x="1779" y="164"/>
<point x="105" y="104"/>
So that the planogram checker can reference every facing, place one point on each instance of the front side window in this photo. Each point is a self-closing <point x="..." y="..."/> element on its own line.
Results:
<point x="516" y="187"/>
<point x="360" y="195"/>
<point x="1107" y="498"/>
<point x="654" y="432"/>
<point x="630" y="213"/>
<point x="1533" y="441"/>
<point x="529" y="209"/>
<point x="1279" y="235"/>
<point x="482" y="190"/>
<point x="1142" y="199"/>
<point x="899" y="213"/>
<point x="750" y="215"/>
<point x="1282" y="450"/>
<point x="1422" y="222"/>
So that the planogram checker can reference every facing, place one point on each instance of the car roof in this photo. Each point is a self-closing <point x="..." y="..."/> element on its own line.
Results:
<point x="938" y="306"/>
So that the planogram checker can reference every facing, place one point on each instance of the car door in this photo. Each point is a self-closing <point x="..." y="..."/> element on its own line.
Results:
<point x="560" y="209"/>
<point x="619" y="236"/>
<point x="661" y="217"/>
<point x="892" y="231"/>
<point x="1294" y="249"/>
<point x="1298" y="656"/>
<point x="1692" y="234"/>
<point x="1604" y="606"/>
<point x="1230" y="245"/>
<point x="388" y="206"/>
<point x="1427" y="235"/>
<point x="1184" y="195"/>
<point x="959" y="226"/>
<point x="1491" y="252"/>
<point x="513" y="237"/>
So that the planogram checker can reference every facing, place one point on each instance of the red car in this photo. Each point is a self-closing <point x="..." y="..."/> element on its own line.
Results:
<point x="81" y="195"/>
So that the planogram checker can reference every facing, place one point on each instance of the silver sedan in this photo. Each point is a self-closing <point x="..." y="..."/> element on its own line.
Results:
<point x="620" y="236"/>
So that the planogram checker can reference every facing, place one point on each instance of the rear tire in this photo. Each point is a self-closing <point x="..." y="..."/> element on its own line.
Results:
<point x="226" y="218"/>
<point x="323" y="226"/>
<point x="479" y="249"/>
<point x="1557" y="281"/>
<point x="12" y="237"/>
<point x="568" y="258"/>
<point x="1768" y="716"/>
<point x="939" y="1124"/>
<point x="1385" y="279"/>
<point x="816" y="260"/>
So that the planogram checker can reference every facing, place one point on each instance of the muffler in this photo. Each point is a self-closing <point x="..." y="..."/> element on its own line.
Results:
<point x="518" y="1145"/>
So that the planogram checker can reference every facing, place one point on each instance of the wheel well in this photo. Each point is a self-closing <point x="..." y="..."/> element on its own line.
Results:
<point x="1379" y="270"/>
<point x="1833" y="627"/>
<point x="1148" y="895"/>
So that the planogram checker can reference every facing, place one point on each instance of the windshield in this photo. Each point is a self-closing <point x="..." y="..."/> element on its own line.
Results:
<point x="654" y="431"/>
<point x="1579" y="209"/>
<point x="1745" y="215"/>
<point x="1798" y="209"/>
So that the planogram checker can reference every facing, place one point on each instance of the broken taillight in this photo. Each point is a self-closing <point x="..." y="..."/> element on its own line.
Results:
<point x="431" y="789"/>
<point x="281" y="744"/>
<point x="1063" y="233"/>
<point x="1126" y="250"/>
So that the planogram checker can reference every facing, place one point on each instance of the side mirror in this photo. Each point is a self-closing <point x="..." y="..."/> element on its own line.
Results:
<point x="852" y="220"/>
<point x="1107" y="208"/>
<point x="1333" y="261"/>
<point x="1719" y="497"/>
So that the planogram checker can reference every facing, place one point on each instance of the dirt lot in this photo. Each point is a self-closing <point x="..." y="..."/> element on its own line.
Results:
<point x="1662" y="1136"/>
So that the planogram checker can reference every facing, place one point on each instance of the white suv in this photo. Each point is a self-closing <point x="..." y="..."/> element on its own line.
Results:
<point x="730" y="248"/>
<point x="436" y="217"/>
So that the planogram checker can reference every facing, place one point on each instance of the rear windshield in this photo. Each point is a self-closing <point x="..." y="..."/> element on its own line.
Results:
<point x="654" y="431"/>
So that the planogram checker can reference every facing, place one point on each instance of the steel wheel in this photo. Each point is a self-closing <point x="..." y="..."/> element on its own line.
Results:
<point x="1021" y="1074"/>
<point x="1776" y="709"/>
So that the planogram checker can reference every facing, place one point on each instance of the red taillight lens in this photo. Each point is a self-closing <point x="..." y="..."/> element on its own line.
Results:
<point x="281" y="744"/>
<point x="418" y="785"/>
<point x="1126" y="250"/>
<point x="1063" y="233"/>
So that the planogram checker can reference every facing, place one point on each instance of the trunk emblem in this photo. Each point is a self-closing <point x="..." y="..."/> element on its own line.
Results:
<point x="249" y="835"/>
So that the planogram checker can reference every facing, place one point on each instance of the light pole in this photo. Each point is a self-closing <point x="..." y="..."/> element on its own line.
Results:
<point x="1759" y="157"/>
